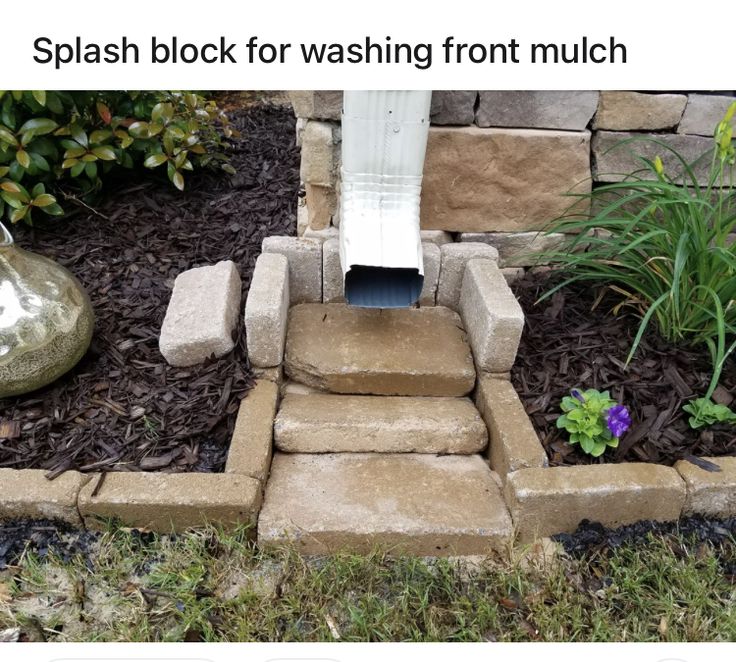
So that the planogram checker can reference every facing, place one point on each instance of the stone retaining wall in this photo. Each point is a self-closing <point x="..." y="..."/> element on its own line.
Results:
<point x="501" y="162"/>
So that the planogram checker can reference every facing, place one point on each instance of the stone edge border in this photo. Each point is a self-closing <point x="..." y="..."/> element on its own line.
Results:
<point x="162" y="502"/>
<point x="546" y="501"/>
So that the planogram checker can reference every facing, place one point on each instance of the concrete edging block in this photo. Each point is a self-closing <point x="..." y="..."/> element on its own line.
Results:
<point x="166" y="502"/>
<point x="710" y="493"/>
<point x="513" y="442"/>
<point x="252" y="441"/>
<point x="28" y="493"/>
<point x="548" y="501"/>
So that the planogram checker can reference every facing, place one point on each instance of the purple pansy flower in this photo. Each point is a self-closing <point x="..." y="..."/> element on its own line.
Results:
<point x="618" y="420"/>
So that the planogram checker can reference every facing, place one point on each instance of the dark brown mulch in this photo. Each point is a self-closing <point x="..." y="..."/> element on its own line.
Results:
<point x="568" y="344"/>
<point x="123" y="407"/>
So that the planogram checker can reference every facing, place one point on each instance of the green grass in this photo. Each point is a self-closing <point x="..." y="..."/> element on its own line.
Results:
<point x="217" y="587"/>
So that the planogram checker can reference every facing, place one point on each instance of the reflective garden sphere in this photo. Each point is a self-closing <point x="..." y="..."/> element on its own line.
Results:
<point x="46" y="319"/>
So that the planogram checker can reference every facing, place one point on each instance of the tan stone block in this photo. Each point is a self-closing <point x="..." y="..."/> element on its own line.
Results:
<point x="492" y="316"/>
<point x="323" y="235"/>
<point x="305" y="265"/>
<point x="703" y="113"/>
<point x="317" y="104"/>
<point x="327" y="423"/>
<point x="333" y="284"/>
<point x="537" y="109"/>
<point x="302" y="217"/>
<point x="274" y="374"/>
<point x="290" y="387"/>
<point x="513" y="443"/>
<point x="544" y="502"/>
<point x="634" y="111"/>
<point x="454" y="257"/>
<point x="432" y="258"/>
<point x="438" y="237"/>
<point x="454" y="107"/>
<point x="614" y="160"/>
<point x="252" y="442"/>
<point x="379" y="352"/>
<point x="317" y="164"/>
<point x="321" y="205"/>
<point x="28" y="493"/>
<point x="202" y="314"/>
<point x="518" y="249"/>
<point x="267" y="310"/>
<point x="710" y="493"/>
<point x="512" y="274"/>
<point x="501" y="180"/>
<point x="406" y="503"/>
<point x="166" y="502"/>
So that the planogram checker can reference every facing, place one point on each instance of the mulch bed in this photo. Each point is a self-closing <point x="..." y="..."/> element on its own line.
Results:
<point x="123" y="407"/>
<point x="568" y="343"/>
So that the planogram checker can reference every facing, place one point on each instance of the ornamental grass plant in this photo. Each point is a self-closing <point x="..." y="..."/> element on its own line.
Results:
<point x="664" y="243"/>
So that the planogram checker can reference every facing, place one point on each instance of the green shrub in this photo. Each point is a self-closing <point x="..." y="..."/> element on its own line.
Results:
<point x="665" y="249"/>
<point x="80" y="136"/>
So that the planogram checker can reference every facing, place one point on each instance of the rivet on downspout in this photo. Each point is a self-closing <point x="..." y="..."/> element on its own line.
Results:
<point x="384" y="140"/>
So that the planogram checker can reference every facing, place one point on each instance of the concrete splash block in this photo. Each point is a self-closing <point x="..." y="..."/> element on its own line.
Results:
<point x="328" y="423"/>
<point x="423" y="505"/>
<point x="334" y="347"/>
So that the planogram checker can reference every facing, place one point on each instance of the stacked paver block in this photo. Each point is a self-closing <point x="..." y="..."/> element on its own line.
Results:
<point x="454" y="257"/>
<point x="333" y="286"/>
<point x="266" y="310"/>
<point x="305" y="266"/>
<point x="202" y="315"/>
<point x="492" y="316"/>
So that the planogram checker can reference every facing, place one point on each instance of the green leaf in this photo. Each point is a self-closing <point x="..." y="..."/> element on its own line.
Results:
<point x="229" y="169"/>
<point x="79" y="135"/>
<point x="75" y="152"/>
<point x="178" y="180"/>
<point x="91" y="170"/>
<point x="53" y="103"/>
<point x="99" y="136"/>
<point x="21" y="156"/>
<point x="38" y="189"/>
<point x="69" y="163"/>
<point x="40" y="96"/>
<point x="587" y="444"/>
<point x="77" y="168"/>
<point x="7" y="137"/>
<point x="138" y="130"/>
<point x="40" y="126"/>
<point x="155" y="160"/>
<point x="162" y="113"/>
<point x="16" y="201"/>
<point x="104" y="152"/>
<point x="43" y="200"/>
<point x="53" y="210"/>
<point x="9" y="187"/>
<point x="40" y="162"/>
<point x="597" y="450"/>
<point x="18" y="214"/>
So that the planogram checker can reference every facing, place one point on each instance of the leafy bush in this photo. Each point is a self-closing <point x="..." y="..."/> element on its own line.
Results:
<point x="80" y="136"/>
<point x="665" y="249"/>
<point x="594" y="420"/>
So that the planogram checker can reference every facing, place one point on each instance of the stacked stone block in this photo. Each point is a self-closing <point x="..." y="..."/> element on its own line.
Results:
<point x="499" y="163"/>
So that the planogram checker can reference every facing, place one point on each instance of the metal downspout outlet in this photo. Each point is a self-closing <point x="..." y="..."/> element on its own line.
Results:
<point x="384" y="140"/>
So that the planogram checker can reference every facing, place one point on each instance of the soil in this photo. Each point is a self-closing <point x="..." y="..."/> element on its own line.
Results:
<point x="573" y="340"/>
<point x="123" y="407"/>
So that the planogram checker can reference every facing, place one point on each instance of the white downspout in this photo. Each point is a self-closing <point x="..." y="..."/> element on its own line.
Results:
<point x="384" y="140"/>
